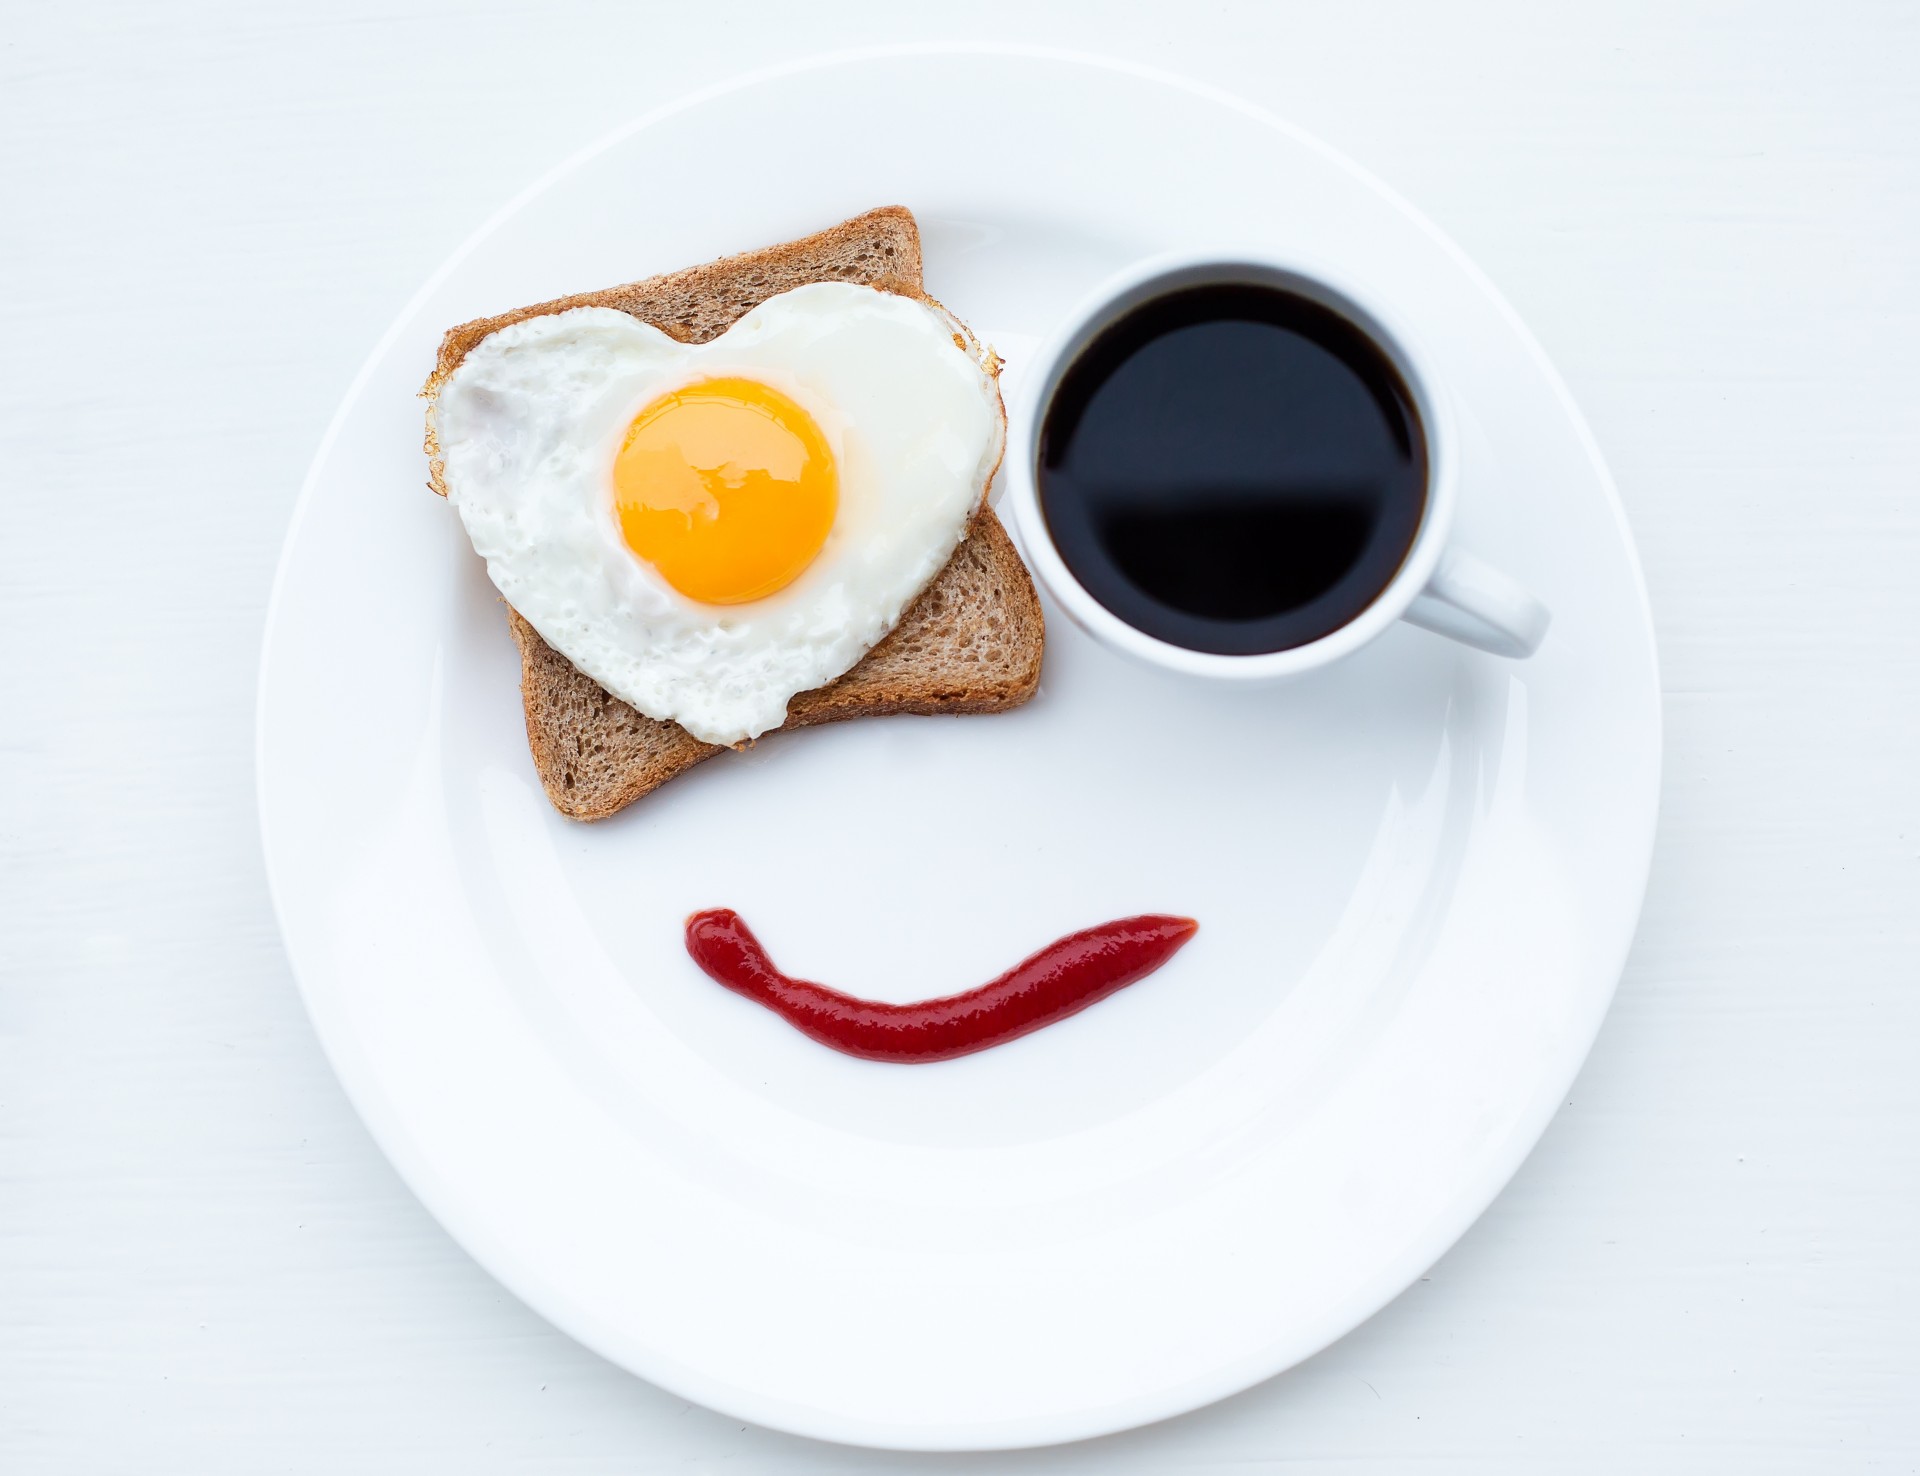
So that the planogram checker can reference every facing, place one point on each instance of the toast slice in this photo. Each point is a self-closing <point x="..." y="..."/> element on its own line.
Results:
<point x="971" y="643"/>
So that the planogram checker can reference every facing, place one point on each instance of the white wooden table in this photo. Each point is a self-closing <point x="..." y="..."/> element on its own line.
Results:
<point x="1710" y="214"/>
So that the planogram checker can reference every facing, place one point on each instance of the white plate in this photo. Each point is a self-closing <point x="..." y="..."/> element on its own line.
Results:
<point x="1416" y="875"/>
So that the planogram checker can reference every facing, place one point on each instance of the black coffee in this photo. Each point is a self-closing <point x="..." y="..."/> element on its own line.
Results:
<point x="1233" y="469"/>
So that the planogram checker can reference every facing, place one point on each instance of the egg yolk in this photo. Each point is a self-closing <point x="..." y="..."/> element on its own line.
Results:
<point x="726" y="487"/>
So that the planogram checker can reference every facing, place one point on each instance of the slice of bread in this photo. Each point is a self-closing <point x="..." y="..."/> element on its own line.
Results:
<point x="971" y="642"/>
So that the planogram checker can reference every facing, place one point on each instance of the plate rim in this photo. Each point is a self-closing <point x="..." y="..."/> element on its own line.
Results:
<point x="580" y="1324"/>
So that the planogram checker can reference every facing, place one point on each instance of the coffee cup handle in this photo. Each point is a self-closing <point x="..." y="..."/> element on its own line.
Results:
<point x="1475" y="603"/>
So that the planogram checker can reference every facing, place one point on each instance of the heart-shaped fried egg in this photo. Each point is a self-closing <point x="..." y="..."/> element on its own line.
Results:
<point x="708" y="529"/>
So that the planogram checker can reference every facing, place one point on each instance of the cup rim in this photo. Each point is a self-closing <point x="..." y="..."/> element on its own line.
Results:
<point x="1149" y="278"/>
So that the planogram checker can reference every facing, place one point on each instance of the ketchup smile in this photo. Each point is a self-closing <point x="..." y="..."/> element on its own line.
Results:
<point x="1060" y="980"/>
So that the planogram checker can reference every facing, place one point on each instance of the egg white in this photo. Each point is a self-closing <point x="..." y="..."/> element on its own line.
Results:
<point x="531" y="421"/>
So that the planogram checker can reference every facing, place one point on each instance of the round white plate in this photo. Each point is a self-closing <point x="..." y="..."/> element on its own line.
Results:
<point x="1416" y="874"/>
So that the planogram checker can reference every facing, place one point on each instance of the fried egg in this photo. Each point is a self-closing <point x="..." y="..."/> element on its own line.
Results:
<point x="707" y="530"/>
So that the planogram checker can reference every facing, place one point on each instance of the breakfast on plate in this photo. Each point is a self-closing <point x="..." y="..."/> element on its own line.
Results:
<point x="738" y="498"/>
<point x="751" y="496"/>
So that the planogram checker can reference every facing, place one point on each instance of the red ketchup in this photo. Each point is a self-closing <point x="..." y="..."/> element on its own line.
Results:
<point x="1060" y="980"/>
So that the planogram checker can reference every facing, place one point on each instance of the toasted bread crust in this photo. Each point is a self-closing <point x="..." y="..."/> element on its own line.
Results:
<point x="596" y="755"/>
<point x="971" y="643"/>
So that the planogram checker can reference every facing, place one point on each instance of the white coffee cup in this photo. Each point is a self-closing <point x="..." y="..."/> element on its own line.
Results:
<point x="1438" y="587"/>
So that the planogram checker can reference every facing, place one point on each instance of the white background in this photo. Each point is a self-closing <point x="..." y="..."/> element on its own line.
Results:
<point x="1710" y="215"/>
